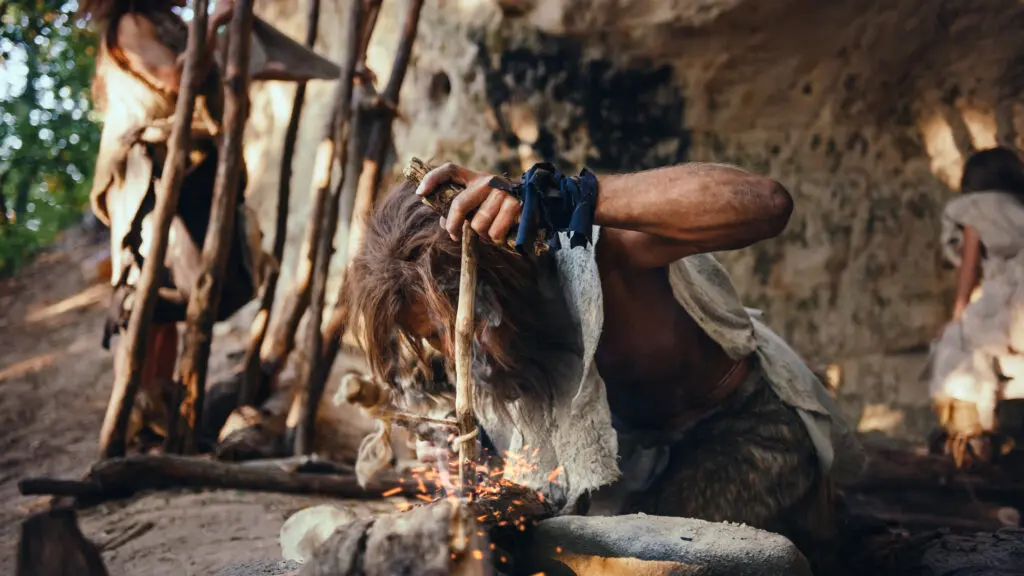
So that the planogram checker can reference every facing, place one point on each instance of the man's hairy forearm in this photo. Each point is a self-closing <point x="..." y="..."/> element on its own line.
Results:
<point x="706" y="206"/>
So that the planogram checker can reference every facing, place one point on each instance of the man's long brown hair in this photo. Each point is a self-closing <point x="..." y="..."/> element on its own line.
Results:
<point x="407" y="257"/>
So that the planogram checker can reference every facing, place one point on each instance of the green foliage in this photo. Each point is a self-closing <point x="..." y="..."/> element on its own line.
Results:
<point x="48" y="141"/>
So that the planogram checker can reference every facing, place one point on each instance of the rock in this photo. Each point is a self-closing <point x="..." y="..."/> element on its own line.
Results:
<point x="307" y="529"/>
<point x="991" y="554"/>
<point x="642" y="544"/>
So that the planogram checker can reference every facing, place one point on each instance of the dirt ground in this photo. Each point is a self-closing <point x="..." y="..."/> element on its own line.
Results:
<point x="55" y="381"/>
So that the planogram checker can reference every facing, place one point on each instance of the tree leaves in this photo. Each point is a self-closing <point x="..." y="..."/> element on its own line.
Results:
<point x="48" y="141"/>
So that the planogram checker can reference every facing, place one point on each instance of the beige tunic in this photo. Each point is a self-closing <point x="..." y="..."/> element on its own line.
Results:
<point x="575" y="432"/>
<point x="975" y="354"/>
<point x="130" y="103"/>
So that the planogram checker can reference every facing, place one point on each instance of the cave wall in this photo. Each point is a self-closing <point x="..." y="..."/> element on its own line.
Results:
<point x="864" y="110"/>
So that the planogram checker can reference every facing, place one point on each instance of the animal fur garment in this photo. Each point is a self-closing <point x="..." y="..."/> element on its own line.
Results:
<point x="574" y="432"/>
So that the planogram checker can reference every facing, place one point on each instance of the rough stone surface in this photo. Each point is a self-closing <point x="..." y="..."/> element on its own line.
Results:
<point x="307" y="529"/>
<point x="864" y="110"/>
<point x="996" y="554"/>
<point x="702" y="547"/>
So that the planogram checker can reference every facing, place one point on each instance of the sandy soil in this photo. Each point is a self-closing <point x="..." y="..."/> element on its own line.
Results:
<point x="54" y="384"/>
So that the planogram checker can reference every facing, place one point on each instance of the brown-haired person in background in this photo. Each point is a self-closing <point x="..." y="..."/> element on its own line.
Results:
<point x="979" y="358"/>
<point x="138" y="74"/>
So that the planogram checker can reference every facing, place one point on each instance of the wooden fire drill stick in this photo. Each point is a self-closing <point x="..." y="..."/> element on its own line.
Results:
<point x="464" y="323"/>
<point x="464" y="360"/>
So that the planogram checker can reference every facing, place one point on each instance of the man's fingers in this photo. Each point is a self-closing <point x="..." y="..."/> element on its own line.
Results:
<point x="486" y="214"/>
<point x="442" y="174"/>
<point x="463" y="204"/>
<point x="507" y="216"/>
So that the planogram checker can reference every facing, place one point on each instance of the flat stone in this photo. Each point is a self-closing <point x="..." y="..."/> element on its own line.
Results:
<point x="639" y="543"/>
<point x="307" y="529"/>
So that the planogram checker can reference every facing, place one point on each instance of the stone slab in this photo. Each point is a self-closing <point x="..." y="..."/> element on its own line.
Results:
<point x="664" y="546"/>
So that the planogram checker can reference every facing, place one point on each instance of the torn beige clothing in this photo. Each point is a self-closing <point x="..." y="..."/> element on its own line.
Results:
<point x="137" y="116"/>
<point x="977" y="357"/>
<point x="575" y="433"/>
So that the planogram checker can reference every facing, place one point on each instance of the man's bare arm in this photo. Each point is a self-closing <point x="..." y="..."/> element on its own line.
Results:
<point x="656" y="217"/>
<point x="651" y="218"/>
<point x="969" y="272"/>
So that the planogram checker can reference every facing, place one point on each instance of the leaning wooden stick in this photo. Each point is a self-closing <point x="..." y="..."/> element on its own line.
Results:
<point x="254" y="387"/>
<point x="380" y="132"/>
<point x="204" y="301"/>
<point x="307" y="400"/>
<point x="369" y="179"/>
<point x="281" y="334"/>
<point x="132" y="355"/>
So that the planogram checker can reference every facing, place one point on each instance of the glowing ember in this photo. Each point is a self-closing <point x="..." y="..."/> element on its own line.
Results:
<point x="498" y="493"/>
<point x="392" y="492"/>
<point x="555" y="474"/>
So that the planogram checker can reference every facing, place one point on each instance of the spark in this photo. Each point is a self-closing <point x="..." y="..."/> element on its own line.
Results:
<point x="555" y="474"/>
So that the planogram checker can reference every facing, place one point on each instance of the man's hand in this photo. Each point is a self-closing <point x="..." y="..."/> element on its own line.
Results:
<point x="496" y="210"/>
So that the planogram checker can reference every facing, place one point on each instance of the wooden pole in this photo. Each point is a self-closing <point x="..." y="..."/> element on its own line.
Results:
<point x="285" y="324"/>
<point x="308" y="397"/>
<point x="123" y="477"/>
<point x="131" y="354"/>
<point x="205" y="298"/>
<point x="254" y="387"/>
<point x="369" y="179"/>
<point x="464" y="324"/>
<point x="380" y="134"/>
<point x="281" y="334"/>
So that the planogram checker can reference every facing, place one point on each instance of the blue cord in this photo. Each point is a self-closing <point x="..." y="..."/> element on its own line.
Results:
<point x="555" y="202"/>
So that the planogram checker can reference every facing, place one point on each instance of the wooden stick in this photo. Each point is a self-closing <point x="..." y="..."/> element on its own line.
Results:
<point x="308" y="398"/>
<point x="204" y="301"/>
<point x="281" y="335"/>
<point x="464" y="325"/>
<point x="131" y="354"/>
<point x="439" y="200"/>
<point x="380" y="134"/>
<point x="369" y="179"/>
<point x="254" y="386"/>
<point x="123" y="477"/>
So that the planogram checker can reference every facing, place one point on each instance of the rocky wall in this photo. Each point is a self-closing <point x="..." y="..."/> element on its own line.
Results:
<point x="864" y="110"/>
